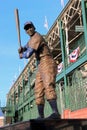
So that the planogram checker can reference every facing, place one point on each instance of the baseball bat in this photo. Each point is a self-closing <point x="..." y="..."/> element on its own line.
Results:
<point x="18" y="26"/>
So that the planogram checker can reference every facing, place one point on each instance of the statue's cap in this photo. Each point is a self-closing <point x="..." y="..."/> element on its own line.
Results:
<point x="27" y="24"/>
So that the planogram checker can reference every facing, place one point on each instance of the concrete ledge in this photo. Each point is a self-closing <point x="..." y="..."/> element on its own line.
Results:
<point x="62" y="124"/>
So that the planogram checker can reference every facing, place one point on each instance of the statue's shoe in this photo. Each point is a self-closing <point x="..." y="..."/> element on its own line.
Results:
<point x="54" y="116"/>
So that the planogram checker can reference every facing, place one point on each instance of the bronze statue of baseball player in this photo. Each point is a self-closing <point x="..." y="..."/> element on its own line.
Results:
<point x="47" y="70"/>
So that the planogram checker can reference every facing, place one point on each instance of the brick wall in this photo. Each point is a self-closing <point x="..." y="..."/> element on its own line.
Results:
<point x="2" y="120"/>
<point x="78" y="114"/>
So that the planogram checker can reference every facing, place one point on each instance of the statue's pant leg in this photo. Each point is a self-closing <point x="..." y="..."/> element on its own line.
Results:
<point x="39" y="89"/>
<point x="48" y="70"/>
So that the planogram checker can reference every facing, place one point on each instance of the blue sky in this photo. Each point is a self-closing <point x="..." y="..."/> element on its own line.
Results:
<point x="33" y="10"/>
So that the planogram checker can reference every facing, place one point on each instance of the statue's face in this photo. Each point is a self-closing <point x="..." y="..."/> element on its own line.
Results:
<point x="30" y="31"/>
